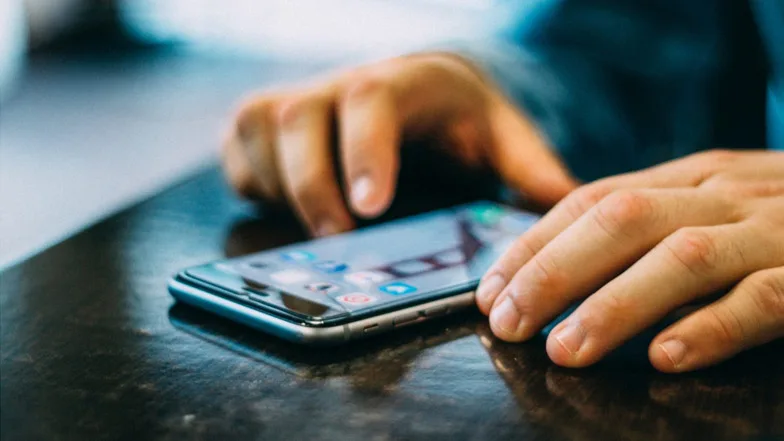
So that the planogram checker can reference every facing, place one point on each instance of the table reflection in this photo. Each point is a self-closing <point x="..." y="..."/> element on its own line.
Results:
<point x="620" y="399"/>
<point x="617" y="399"/>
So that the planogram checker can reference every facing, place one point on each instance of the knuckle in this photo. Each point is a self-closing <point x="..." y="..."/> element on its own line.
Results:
<point x="522" y="302"/>
<point x="624" y="210"/>
<point x="769" y="217"/>
<point x="767" y="291"/>
<point x="526" y="247"/>
<point x="611" y="309"/>
<point x="291" y="109"/>
<point x="250" y="117"/>
<point x="512" y="260"/>
<point x="717" y="183"/>
<point x="748" y="190"/>
<point x="694" y="248"/>
<point x="717" y="159"/>
<point x="725" y="325"/>
<point x="444" y="68"/>
<point x="615" y="304"/>
<point x="586" y="197"/>
<point x="547" y="277"/>
<point x="363" y="85"/>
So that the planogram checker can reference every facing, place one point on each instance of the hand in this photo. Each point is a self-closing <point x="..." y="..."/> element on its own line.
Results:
<point x="638" y="246"/>
<point x="280" y="144"/>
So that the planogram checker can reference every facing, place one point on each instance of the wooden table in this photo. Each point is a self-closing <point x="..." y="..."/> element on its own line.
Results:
<point x="94" y="348"/>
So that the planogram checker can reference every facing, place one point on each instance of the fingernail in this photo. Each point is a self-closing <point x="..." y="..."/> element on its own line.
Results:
<point x="326" y="228"/>
<point x="571" y="337"/>
<point x="675" y="351"/>
<point x="489" y="288"/>
<point x="506" y="317"/>
<point x="360" y="191"/>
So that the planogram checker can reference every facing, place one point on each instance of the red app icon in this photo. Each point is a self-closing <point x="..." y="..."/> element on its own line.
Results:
<point x="356" y="298"/>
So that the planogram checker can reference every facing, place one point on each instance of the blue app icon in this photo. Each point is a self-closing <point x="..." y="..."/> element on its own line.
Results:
<point x="298" y="256"/>
<point x="331" y="266"/>
<point x="397" y="288"/>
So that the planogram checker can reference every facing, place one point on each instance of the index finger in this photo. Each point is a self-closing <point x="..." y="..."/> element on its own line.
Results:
<point x="369" y="137"/>
<point x="683" y="173"/>
<point x="306" y="163"/>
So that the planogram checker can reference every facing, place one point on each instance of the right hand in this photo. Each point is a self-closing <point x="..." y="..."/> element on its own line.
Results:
<point x="280" y="147"/>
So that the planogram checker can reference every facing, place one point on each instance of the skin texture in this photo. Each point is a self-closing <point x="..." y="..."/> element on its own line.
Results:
<point x="279" y="147"/>
<point x="656" y="239"/>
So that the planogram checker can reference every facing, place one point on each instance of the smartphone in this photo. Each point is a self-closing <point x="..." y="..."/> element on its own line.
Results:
<point x="361" y="283"/>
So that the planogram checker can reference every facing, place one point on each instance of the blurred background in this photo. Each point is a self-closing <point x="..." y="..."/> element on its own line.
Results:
<point x="105" y="102"/>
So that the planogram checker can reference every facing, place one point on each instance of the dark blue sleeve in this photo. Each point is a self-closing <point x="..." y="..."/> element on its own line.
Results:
<point x="614" y="85"/>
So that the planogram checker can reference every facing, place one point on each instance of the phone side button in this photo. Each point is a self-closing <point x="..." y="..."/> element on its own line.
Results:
<point x="371" y="328"/>
<point x="436" y="311"/>
<point x="405" y="319"/>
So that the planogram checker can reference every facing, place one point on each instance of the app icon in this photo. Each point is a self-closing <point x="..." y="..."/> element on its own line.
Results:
<point x="289" y="276"/>
<point x="356" y="298"/>
<point x="366" y="278"/>
<point x="331" y="266"/>
<point x="397" y="288"/>
<point x="322" y="287"/>
<point x="412" y="267"/>
<point x="298" y="256"/>
<point x="486" y="214"/>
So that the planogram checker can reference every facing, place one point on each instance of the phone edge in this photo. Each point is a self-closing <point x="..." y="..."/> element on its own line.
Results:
<point x="318" y="336"/>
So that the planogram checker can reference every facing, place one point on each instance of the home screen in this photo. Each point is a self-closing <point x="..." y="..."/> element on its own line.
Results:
<point x="393" y="262"/>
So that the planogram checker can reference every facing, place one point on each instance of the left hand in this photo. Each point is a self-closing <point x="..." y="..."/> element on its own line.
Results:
<point x="638" y="246"/>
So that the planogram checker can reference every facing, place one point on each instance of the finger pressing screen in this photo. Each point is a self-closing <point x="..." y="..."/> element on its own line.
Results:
<point x="306" y="164"/>
<point x="369" y="139"/>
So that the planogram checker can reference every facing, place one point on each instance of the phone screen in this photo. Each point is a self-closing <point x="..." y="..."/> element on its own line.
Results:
<point x="402" y="262"/>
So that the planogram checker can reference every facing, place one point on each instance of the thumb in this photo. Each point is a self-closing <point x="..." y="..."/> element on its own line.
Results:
<point x="525" y="161"/>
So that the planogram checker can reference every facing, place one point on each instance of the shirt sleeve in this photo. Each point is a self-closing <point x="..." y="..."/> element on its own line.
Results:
<point x="613" y="85"/>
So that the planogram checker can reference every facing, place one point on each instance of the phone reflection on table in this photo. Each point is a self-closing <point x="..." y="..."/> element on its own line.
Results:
<point x="372" y="364"/>
<point x="620" y="398"/>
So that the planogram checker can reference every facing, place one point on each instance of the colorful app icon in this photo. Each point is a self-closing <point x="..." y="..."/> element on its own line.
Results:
<point x="397" y="288"/>
<point x="412" y="267"/>
<point x="321" y="287"/>
<point x="298" y="256"/>
<point x="366" y="278"/>
<point x="356" y="298"/>
<point x="331" y="266"/>
<point x="486" y="213"/>
<point x="290" y="276"/>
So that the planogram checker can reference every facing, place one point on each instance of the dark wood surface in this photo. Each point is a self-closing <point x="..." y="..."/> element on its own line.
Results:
<point x="93" y="348"/>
